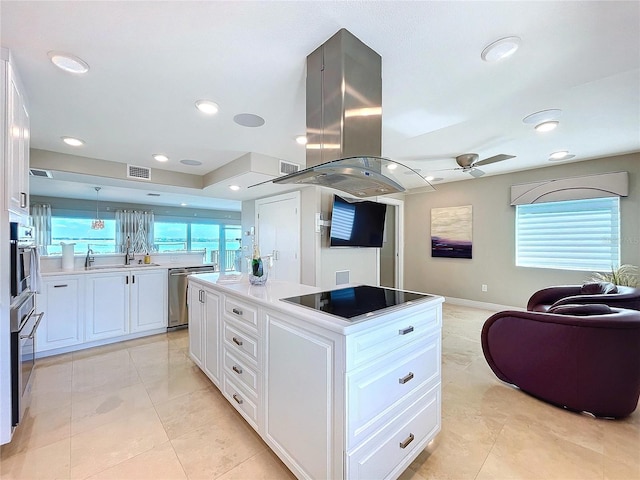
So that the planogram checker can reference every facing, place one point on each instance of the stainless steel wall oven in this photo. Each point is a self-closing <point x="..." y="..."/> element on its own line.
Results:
<point x="21" y="244"/>
<point x="24" y="323"/>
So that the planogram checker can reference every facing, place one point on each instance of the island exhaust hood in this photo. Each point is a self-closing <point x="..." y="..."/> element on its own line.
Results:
<point x="344" y="123"/>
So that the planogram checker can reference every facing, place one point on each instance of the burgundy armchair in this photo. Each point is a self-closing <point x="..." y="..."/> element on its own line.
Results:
<point x="590" y="293"/>
<point x="583" y="360"/>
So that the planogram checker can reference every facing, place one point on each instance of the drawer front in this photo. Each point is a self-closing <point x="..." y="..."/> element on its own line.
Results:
<point x="241" y="372"/>
<point x="391" y="450"/>
<point x="238" y="341"/>
<point x="241" y="311"/>
<point x="368" y="346"/>
<point x="373" y="394"/>
<point x="241" y="402"/>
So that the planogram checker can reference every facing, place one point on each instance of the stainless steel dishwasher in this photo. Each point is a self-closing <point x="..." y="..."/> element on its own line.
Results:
<point x="178" y="311"/>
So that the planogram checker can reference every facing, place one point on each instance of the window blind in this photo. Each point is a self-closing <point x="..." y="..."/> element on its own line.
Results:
<point x="569" y="235"/>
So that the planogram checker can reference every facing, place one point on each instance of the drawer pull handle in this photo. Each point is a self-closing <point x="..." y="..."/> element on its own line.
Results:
<point x="237" y="342"/>
<point x="237" y="311"/>
<point x="404" y="331"/>
<point x="237" y="369"/>
<point x="407" y="441"/>
<point x="239" y="400"/>
<point x="60" y="286"/>
<point x="406" y="378"/>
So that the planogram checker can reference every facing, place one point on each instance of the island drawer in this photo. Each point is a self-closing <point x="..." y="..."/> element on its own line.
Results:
<point x="241" y="311"/>
<point x="241" y="401"/>
<point x="242" y="342"/>
<point x="370" y="345"/>
<point x="241" y="372"/>
<point x="391" y="450"/>
<point x="376" y="392"/>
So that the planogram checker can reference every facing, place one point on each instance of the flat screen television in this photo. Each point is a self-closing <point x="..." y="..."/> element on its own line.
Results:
<point x="357" y="223"/>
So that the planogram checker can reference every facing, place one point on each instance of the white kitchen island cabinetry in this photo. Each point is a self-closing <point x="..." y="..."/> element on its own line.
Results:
<point x="204" y="330"/>
<point x="62" y="326"/>
<point x="332" y="398"/>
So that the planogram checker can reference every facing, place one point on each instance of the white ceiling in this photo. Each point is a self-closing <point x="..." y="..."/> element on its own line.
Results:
<point x="150" y="62"/>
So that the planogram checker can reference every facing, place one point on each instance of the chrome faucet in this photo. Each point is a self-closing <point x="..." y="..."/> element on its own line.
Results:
<point x="128" y="256"/>
<point x="89" y="259"/>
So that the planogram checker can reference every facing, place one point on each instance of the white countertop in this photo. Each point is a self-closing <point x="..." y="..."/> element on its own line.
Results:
<point x="118" y="268"/>
<point x="271" y="293"/>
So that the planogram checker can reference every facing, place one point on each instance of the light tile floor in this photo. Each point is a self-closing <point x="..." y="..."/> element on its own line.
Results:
<point x="142" y="410"/>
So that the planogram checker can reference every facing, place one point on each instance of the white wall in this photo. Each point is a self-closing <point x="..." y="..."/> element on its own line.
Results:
<point x="493" y="260"/>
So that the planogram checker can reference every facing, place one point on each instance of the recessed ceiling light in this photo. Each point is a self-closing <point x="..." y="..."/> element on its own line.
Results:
<point x="235" y="188"/>
<point x="183" y="204"/>
<point x="68" y="63"/>
<point x="503" y="48"/>
<point x="560" y="155"/>
<point x="207" y="106"/>
<point x="429" y="178"/>
<point x="160" y="157"/>
<point x="301" y="139"/>
<point x="392" y="166"/>
<point x="74" y="142"/>
<point x="547" y="126"/>
<point x="542" y="116"/>
<point x="191" y="163"/>
<point x="248" y="120"/>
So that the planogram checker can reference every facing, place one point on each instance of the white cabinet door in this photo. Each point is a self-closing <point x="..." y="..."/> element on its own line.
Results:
<point x="61" y="325"/>
<point x="17" y="148"/>
<point x="107" y="305"/>
<point x="301" y="406"/>
<point x="211" y="336"/>
<point x="196" y="322"/>
<point x="148" y="299"/>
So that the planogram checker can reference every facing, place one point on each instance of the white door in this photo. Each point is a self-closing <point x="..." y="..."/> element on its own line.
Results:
<point x="278" y="234"/>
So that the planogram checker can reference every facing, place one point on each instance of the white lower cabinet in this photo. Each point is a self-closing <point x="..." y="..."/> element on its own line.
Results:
<point x="61" y="326"/>
<point x="107" y="305"/>
<point x="96" y="307"/>
<point x="330" y="404"/>
<point x="148" y="300"/>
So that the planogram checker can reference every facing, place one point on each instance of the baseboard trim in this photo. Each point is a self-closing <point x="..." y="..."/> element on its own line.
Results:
<point x="482" y="305"/>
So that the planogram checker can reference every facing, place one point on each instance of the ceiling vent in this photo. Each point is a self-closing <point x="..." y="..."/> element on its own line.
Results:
<point x="141" y="173"/>
<point x="37" y="172"/>
<point x="287" y="168"/>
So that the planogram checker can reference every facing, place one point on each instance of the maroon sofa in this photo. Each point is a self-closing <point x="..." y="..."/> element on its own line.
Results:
<point x="597" y="292"/>
<point x="583" y="359"/>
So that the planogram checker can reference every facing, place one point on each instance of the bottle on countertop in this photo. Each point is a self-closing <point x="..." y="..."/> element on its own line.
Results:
<point x="147" y="258"/>
<point x="256" y="262"/>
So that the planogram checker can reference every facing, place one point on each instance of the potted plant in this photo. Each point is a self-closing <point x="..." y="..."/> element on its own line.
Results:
<point x="626" y="275"/>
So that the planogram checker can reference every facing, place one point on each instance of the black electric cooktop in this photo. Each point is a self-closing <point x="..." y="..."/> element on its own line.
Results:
<point x="353" y="303"/>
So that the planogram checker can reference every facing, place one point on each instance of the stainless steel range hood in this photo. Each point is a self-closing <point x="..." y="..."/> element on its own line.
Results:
<point x="344" y="123"/>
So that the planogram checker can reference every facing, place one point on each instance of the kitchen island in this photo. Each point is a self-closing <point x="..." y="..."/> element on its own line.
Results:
<point x="333" y="397"/>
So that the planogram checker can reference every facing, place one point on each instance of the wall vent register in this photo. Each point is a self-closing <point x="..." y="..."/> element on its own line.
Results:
<point x="357" y="303"/>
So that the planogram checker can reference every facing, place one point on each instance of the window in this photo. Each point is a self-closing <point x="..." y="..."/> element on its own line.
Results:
<point x="78" y="231"/>
<point x="571" y="235"/>
<point x="171" y="236"/>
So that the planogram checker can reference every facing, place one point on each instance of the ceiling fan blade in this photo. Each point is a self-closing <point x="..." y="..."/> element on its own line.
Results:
<point x="494" y="159"/>
<point x="476" y="172"/>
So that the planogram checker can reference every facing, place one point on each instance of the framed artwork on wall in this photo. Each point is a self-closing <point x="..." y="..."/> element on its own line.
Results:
<point x="451" y="232"/>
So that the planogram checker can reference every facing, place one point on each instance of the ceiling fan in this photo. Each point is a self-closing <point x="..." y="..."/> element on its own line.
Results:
<point x="470" y="161"/>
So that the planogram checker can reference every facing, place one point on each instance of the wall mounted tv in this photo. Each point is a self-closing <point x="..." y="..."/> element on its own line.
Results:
<point x="357" y="223"/>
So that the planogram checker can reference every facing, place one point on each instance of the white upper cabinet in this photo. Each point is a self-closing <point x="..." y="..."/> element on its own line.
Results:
<point x="16" y="137"/>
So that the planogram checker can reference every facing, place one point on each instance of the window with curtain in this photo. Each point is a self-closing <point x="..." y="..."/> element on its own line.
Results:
<point x="569" y="235"/>
<point x="134" y="228"/>
<point x="41" y="216"/>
